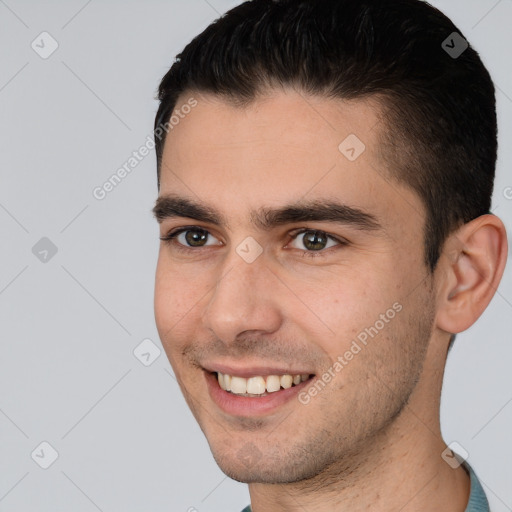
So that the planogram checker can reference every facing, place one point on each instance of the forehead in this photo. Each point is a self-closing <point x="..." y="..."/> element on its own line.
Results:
<point x="291" y="119"/>
<point x="278" y="149"/>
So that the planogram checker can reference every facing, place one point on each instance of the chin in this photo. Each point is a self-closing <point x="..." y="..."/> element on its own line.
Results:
<point x="249" y="464"/>
<point x="260" y="473"/>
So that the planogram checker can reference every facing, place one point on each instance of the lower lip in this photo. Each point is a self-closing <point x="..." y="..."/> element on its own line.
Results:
<point x="237" y="405"/>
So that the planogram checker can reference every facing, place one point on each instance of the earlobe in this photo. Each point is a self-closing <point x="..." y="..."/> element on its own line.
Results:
<point x="473" y="262"/>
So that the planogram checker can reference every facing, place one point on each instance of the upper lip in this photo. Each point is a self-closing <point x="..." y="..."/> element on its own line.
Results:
<point x="253" y="370"/>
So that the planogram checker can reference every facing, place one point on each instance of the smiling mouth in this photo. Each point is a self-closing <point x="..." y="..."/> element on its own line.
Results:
<point x="259" y="386"/>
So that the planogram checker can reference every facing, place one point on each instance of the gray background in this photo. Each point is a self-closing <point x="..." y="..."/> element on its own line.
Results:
<point x="69" y="324"/>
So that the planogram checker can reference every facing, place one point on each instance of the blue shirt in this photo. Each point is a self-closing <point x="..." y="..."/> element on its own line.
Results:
<point x="477" y="499"/>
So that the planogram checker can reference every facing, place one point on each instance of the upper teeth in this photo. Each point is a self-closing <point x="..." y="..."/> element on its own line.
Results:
<point x="259" y="385"/>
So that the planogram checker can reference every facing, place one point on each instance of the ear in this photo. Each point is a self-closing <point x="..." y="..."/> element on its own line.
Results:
<point x="472" y="264"/>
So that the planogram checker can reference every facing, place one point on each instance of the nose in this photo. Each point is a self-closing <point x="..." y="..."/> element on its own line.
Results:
<point x="244" y="299"/>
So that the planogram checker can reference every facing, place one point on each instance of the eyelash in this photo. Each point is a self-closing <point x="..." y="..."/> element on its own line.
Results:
<point x="172" y="235"/>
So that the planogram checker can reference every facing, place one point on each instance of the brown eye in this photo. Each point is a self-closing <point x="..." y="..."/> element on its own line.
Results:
<point x="189" y="238"/>
<point x="313" y="240"/>
<point x="196" y="238"/>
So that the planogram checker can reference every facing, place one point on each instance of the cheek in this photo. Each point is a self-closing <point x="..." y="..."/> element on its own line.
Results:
<point x="176" y="289"/>
<point x="351" y="305"/>
<point x="347" y="297"/>
<point x="173" y="303"/>
<point x="165" y="309"/>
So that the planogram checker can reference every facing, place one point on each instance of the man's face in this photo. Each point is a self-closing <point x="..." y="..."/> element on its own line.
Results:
<point x="290" y="294"/>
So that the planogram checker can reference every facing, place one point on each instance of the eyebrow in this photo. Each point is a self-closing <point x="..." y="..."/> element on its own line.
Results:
<point x="266" y="218"/>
